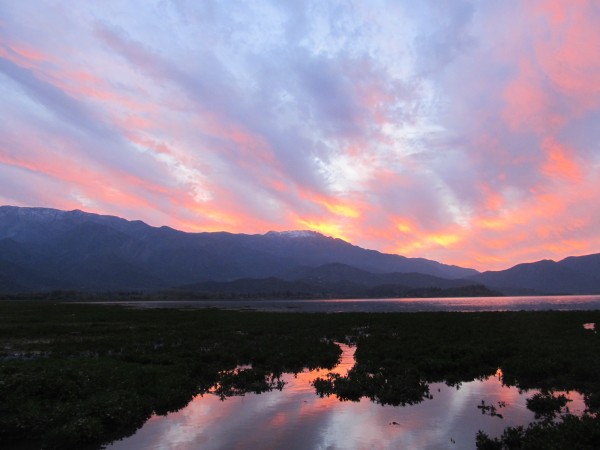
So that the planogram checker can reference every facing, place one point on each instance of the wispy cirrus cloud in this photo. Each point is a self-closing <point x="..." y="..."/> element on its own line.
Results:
<point x="464" y="132"/>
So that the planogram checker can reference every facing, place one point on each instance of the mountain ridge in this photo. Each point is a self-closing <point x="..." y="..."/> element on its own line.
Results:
<point x="570" y="275"/>
<point x="46" y="249"/>
<point x="87" y="251"/>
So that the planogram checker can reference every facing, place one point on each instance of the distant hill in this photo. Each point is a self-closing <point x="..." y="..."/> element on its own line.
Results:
<point x="572" y="275"/>
<point x="46" y="249"/>
<point x="337" y="280"/>
<point x="337" y="272"/>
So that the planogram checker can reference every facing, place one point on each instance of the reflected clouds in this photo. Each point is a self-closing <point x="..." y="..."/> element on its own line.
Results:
<point x="297" y="418"/>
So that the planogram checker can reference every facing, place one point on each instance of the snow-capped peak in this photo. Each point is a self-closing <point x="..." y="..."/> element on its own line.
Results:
<point x="295" y="233"/>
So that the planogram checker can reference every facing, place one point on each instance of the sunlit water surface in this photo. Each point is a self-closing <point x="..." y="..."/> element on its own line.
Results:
<point x="296" y="418"/>
<point x="465" y="304"/>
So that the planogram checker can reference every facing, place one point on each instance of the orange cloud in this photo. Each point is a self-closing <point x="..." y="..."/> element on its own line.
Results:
<point x="334" y="205"/>
<point x="559" y="163"/>
<point x="405" y="225"/>
<point x="327" y="228"/>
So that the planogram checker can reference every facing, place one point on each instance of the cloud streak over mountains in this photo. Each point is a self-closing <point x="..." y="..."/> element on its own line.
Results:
<point x="465" y="132"/>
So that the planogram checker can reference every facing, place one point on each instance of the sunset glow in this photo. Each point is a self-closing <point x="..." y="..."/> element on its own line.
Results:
<point x="461" y="131"/>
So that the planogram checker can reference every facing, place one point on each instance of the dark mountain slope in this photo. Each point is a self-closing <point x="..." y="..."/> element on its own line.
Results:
<point x="336" y="272"/>
<point x="335" y="281"/>
<point x="572" y="275"/>
<point x="50" y="249"/>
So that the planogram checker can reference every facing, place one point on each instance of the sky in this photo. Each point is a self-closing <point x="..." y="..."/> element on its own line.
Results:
<point x="467" y="132"/>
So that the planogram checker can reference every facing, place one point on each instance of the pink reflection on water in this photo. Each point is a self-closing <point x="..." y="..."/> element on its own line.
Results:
<point x="296" y="418"/>
<point x="301" y="382"/>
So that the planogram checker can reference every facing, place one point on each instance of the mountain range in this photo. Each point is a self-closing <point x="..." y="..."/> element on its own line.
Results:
<point x="45" y="249"/>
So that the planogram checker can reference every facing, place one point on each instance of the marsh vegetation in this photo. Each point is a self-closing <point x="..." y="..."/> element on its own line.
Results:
<point x="82" y="375"/>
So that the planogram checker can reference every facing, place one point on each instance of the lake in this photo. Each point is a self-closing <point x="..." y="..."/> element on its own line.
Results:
<point x="297" y="418"/>
<point x="466" y="304"/>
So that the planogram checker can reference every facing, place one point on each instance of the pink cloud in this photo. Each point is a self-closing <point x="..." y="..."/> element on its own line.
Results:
<point x="473" y="144"/>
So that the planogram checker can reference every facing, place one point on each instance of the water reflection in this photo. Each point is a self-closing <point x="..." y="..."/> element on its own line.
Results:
<point x="466" y="304"/>
<point x="296" y="418"/>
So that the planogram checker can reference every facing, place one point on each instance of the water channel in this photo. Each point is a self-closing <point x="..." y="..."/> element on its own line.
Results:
<point x="297" y="418"/>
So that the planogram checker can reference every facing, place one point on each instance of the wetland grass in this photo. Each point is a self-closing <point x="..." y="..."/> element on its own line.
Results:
<point x="82" y="375"/>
